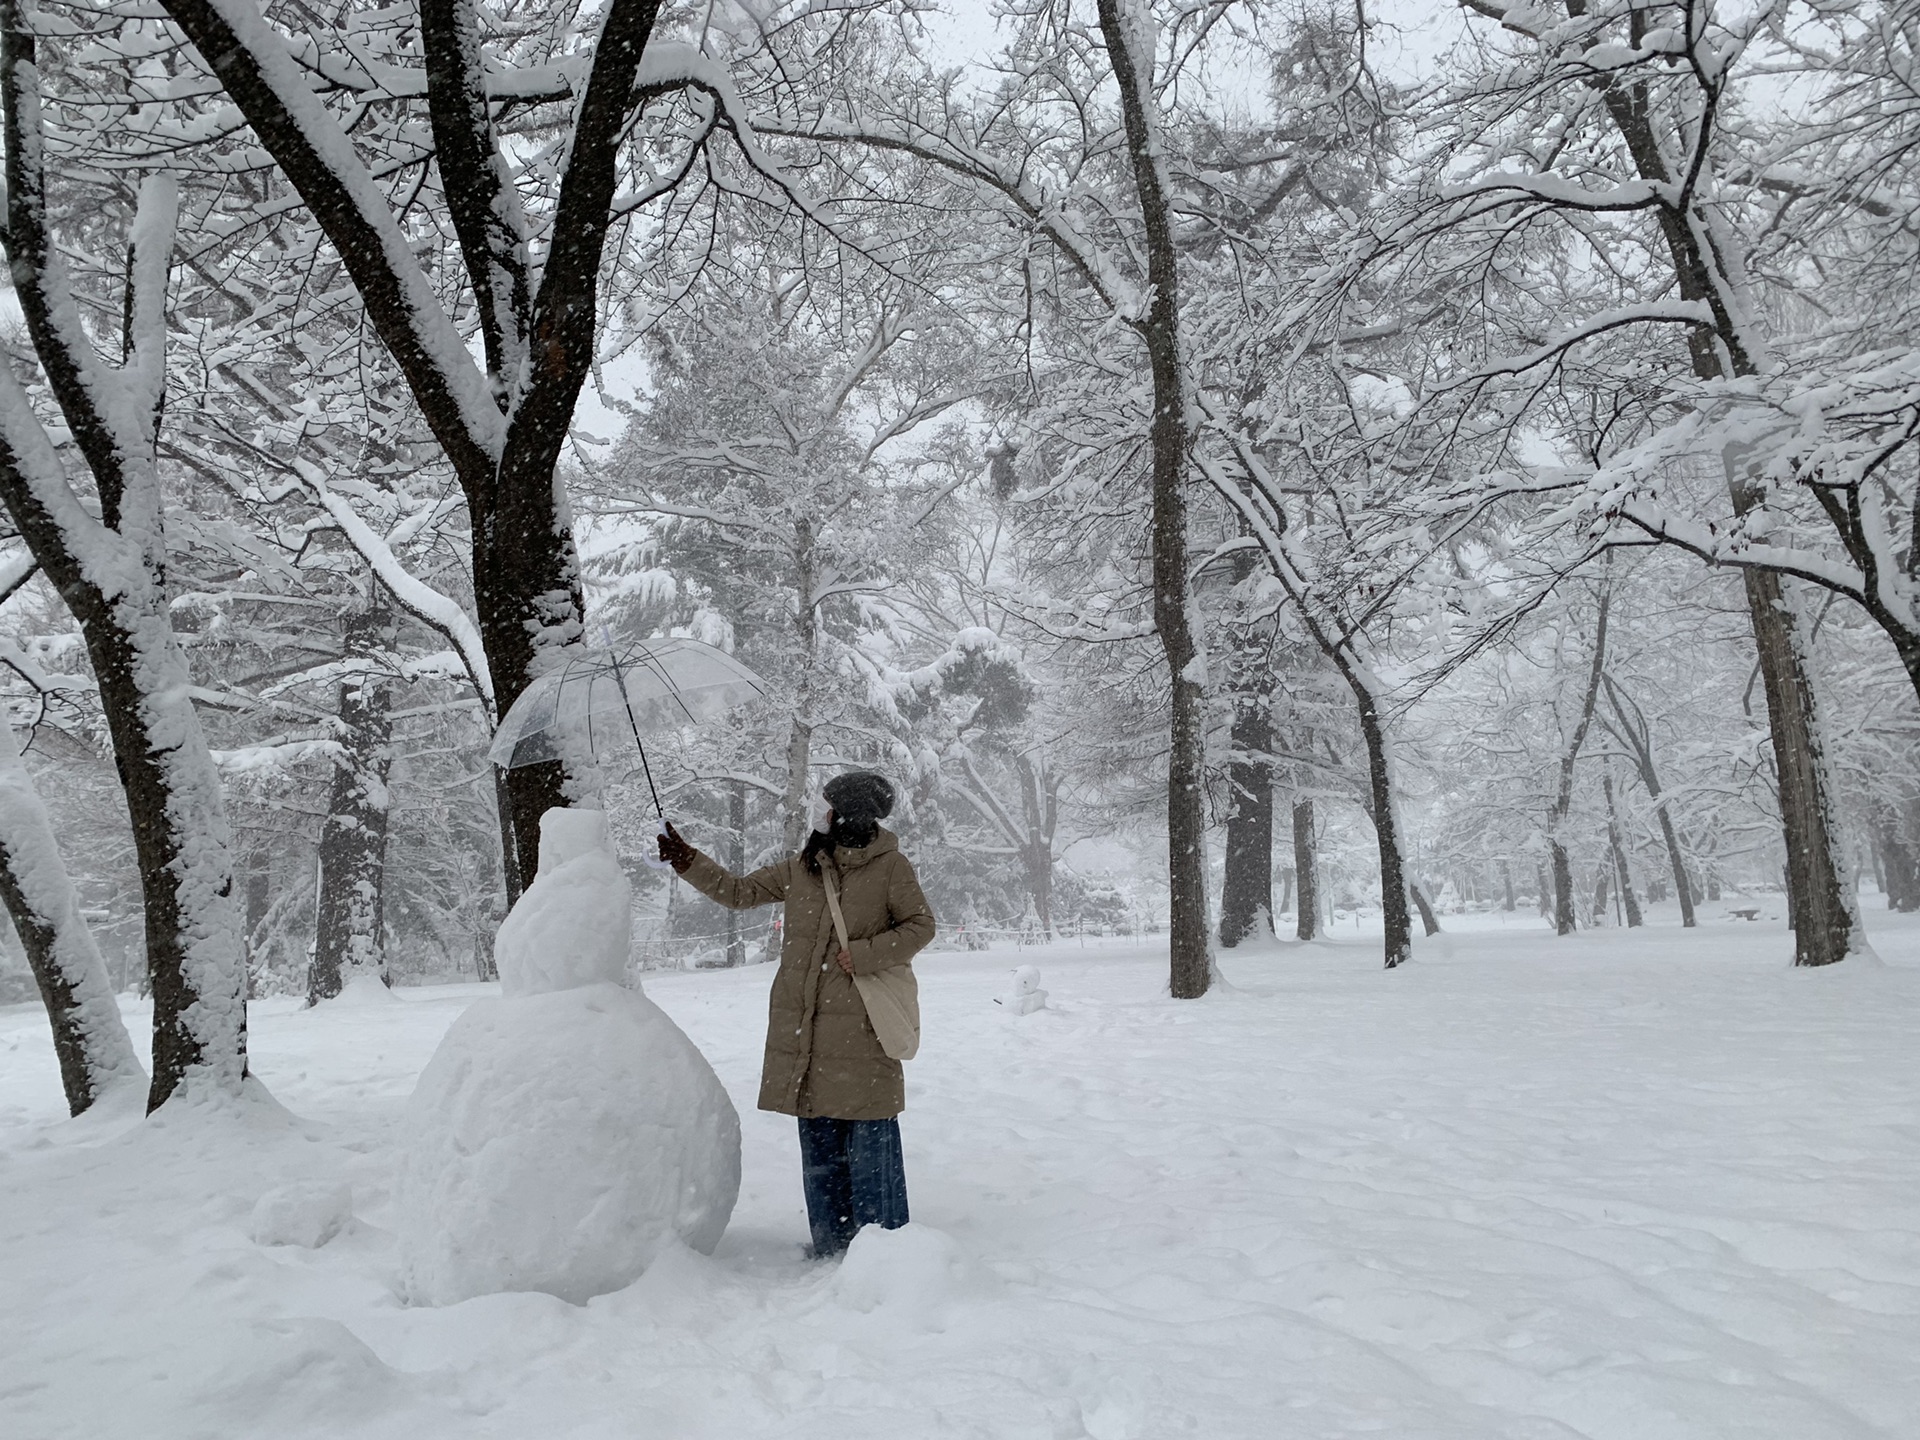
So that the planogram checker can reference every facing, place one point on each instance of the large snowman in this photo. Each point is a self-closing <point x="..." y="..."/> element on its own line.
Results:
<point x="566" y="1131"/>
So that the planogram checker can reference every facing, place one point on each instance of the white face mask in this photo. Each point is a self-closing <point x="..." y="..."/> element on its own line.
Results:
<point x="822" y="815"/>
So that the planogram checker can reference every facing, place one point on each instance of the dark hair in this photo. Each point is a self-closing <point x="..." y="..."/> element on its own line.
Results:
<point x="852" y="831"/>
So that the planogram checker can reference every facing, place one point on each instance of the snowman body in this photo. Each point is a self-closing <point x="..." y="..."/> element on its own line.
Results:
<point x="567" y="1131"/>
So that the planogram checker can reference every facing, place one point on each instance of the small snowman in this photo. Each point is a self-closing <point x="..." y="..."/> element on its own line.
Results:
<point x="1024" y="996"/>
<point x="567" y="1131"/>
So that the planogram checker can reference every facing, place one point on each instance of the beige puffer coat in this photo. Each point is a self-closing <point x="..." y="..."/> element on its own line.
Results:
<point x="823" y="1059"/>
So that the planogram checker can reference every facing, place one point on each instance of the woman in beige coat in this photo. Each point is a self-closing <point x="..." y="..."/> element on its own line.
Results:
<point x="824" y="1064"/>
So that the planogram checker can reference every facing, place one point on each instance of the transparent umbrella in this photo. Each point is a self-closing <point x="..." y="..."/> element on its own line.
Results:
<point x="654" y="684"/>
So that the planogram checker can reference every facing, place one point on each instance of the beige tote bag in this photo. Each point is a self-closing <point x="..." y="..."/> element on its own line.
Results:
<point x="892" y="997"/>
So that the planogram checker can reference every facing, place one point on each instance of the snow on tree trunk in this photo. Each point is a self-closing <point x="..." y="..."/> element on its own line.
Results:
<point x="95" y="1053"/>
<point x="109" y="566"/>
<point x="1246" y="891"/>
<point x="349" y="928"/>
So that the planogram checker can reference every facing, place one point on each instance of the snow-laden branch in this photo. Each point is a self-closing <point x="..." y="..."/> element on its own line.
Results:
<point x="440" y="612"/>
<point x="1665" y="312"/>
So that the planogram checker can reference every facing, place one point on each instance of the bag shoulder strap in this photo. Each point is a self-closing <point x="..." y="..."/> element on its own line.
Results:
<point x="833" y="907"/>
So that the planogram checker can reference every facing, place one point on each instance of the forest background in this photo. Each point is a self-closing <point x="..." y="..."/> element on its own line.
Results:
<point x="1239" y="467"/>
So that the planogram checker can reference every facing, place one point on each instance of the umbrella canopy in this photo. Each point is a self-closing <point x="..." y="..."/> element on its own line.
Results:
<point x="657" y="684"/>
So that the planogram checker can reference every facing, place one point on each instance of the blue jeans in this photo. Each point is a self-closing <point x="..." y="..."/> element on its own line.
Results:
<point x="854" y="1175"/>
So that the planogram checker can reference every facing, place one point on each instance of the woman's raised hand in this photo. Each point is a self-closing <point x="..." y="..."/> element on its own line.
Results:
<point x="675" y="851"/>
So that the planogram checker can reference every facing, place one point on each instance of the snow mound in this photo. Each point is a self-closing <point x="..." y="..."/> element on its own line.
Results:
<point x="574" y="924"/>
<point x="304" y="1215"/>
<point x="364" y="990"/>
<point x="1024" y="995"/>
<point x="556" y="1142"/>
<point x="911" y="1274"/>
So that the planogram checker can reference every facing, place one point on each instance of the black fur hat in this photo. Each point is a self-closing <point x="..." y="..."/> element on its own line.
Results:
<point x="860" y="795"/>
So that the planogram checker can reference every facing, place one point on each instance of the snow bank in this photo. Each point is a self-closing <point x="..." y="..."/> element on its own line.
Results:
<point x="911" y="1275"/>
<point x="307" y="1215"/>
<point x="555" y="1143"/>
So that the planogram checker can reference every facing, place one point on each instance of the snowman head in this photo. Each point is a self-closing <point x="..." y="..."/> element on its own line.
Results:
<point x="567" y="834"/>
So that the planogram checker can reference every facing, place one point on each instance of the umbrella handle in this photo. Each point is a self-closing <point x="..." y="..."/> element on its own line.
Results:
<point x="653" y="861"/>
<point x="620" y="679"/>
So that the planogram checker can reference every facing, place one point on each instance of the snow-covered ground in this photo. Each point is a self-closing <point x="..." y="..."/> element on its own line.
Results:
<point x="1627" y="1185"/>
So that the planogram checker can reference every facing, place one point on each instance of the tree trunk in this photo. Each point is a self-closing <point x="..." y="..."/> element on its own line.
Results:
<point x="1306" y="868"/>
<point x="1714" y="276"/>
<point x="1396" y="922"/>
<point x="806" y="624"/>
<point x="501" y="430"/>
<point x="1822" y="918"/>
<point x="1246" y="892"/>
<point x="1622" y="877"/>
<point x="1599" y="916"/>
<point x="113" y="580"/>
<point x="1040" y="819"/>
<point x="1563" y="912"/>
<point x="350" y="906"/>
<point x="89" y="1040"/>
<point x="736" y="862"/>
<point x="1543" y="891"/>
<point x="1428" y="921"/>
<point x="1632" y="729"/>
<point x="1900" y="874"/>
<point x="1506" y="881"/>
<point x="1189" y="938"/>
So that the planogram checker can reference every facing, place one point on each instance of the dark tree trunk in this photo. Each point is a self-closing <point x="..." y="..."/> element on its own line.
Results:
<point x="1246" y="892"/>
<point x="1682" y="887"/>
<point x="1040" y="816"/>
<point x="1506" y="881"/>
<point x="1563" y="908"/>
<point x="1191" y="967"/>
<point x="1900" y="874"/>
<point x="1428" y="920"/>
<point x="350" y="907"/>
<point x="1395" y="919"/>
<point x="1630" y="727"/>
<point x="1565" y="921"/>
<point x="1306" y="868"/>
<point x="1622" y="877"/>
<point x="736" y="862"/>
<point x="1817" y="901"/>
